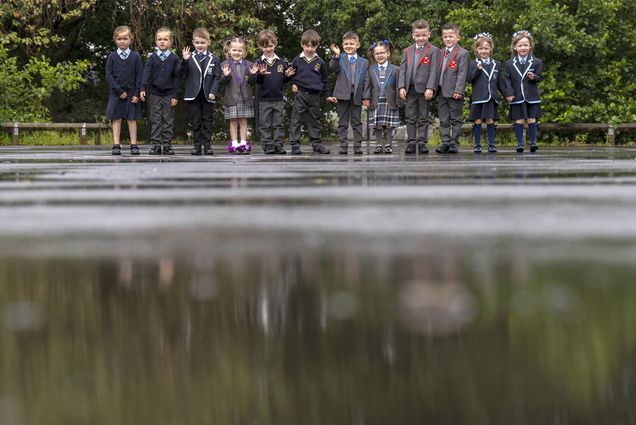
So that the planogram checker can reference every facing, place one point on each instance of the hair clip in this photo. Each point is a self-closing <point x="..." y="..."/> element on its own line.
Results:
<point x="483" y="35"/>
<point x="521" y="32"/>
<point x="377" y="43"/>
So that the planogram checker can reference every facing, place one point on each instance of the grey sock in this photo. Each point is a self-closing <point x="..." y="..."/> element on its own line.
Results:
<point x="378" y="136"/>
<point x="389" y="136"/>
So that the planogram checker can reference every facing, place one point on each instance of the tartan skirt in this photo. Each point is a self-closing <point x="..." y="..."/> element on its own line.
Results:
<point x="383" y="116"/>
<point x="241" y="110"/>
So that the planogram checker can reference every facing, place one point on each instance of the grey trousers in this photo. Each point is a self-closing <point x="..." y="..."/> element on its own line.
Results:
<point x="417" y="117"/>
<point x="450" y="119"/>
<point x="349" y="112"/>
<point x="161" y="116"/>
<point x="308" y="104"/>
<point x="271" y="116"/>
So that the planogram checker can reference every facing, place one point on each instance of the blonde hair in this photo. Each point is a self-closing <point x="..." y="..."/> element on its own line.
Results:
<point x="517" y="37"/>
<point x="120" y="29"/>
<point x="201" y="33"/>
<point x="164" y="29"/>
<point x="235" y="39"/>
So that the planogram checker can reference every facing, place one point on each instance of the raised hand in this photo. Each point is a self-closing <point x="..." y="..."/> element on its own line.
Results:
<point x="254" y="69"/>
<point x="262" y="68"/>
<point x="186" y="53"/>
<point x="290" y="71"/>
<point x="335" y="49"/>
<point x="226" y="69"/>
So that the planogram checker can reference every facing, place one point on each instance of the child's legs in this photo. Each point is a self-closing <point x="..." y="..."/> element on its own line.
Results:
<point x="167" y="121"/>
<point x="207" y="119"/>
<point x="344" y="115"/>
<point x="456" y="109"/>
<point x="243" y="128"/>
<point x="443" y="110"/>
<point x="477" y="132"/>
<point x="265" y="117"/>
<point x="423" y="120"/>
<point x="356" y="123"/>
<point x="278" y="122"/>
<point x="389" y="135"/>
<point x="155" y="118"/>
<point x="116" y="132"/>
<point x="295" y="123"/>
<point x="196" y="120"/>
<point x="378" y="135"/>
<point x="132" y="130"/>
<point x="411" y="111"/>
<point x="234" y="128"/>
<point x="314" y="117"/>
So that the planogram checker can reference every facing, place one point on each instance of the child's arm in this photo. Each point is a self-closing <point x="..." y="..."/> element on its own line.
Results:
<point x="253" y="73"/>
<point x="536" y="76"/>
<point x="509" y="92"/>
<point x="216" y="80"/>
<point x="366" y="91"/>
<point x="226" y="73"/>
<point x="500" y="79"/>
<point x="433" y="78"/>
<point x="334" y="63"/>
<point x="462" y="73"/>
<point x="138" y="74"/>
<point x="145" y="78"/>
<point x="473" y="71"/>
<point x="112" y="82"/>
<point x="183" y="65"/>
<point x="401" y="79"/>
<point x="175" y="82"/>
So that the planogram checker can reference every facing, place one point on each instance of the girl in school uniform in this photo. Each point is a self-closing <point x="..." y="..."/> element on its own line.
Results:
<point x="522" y="75"/>
<point x="239" y="75"/>
<point x="123" y="73"/>
<point x="381" y="96"/>
<point x="484" y="73"/>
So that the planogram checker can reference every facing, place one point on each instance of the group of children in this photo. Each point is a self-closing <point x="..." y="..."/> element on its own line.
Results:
<point x="382" y="87"/>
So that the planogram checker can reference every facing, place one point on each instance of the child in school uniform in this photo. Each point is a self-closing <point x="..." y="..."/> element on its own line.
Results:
<point x="272" y="75"/>
<point x="202" y="74"/>
<point x="160" y="83"/>
<point x="350" y="70"/>
<point x="381" y="97"/>
<point x="309" y="84"/>
<point x="239" y="75"/>
<point x="123" y="73"/>
<point x="417" y="85"/>
<point x="453" y="71"/>
<point x="522" y="75"/>
<point x="484" y="73"/>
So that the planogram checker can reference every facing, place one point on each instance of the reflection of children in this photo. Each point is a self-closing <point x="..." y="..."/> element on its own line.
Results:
<point x="123" y="73"/>
<point x="485" y="75"/>
<point x="418" y="83"/>
<point x="350" y="70"/>
<point x="271" y="78"/>
<point x="453" y="70"/>
<point x="522" y="75"/>
<point x="202" y="73"/>
<point x="381" y="97"/>
<point x="238" y="75"/>
<point x="160" y="82"/>
<point x="308" y="84"/>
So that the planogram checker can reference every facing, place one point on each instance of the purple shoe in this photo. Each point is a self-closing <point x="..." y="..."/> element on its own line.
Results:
<point x="230" y="148"/>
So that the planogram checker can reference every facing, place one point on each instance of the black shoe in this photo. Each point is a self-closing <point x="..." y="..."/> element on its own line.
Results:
<point x="410" y="149"/>
<point x="196" y="151"/>
<point x="357" y="150"/>
<point x="519" y="149"/>
<point x="155" y="150"/>
<point x="388" y="150"/>
<point x="453" y="149"/>
<point x="422" y="149"/>
<point x="268" y="149"/>
<point x="534" y="148"/>
<point x="477" y="149"/>
<point x="321" y="149"/>
<point x="378" y="149"/>
<point x="167" y="150"/>
<point x="296" y="150"/>
<point x="134" y="150"/>
<point x="278" y="149"/>
<point x="443" y="148"/>
<point x="116" y="150"/>
<point x="492" y="149"/>
<point x="343" y="150"/>
<point x="208" y="151"/>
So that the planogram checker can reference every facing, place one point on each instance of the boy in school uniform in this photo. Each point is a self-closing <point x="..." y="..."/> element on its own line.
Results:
<point x="453" y="73"/>
<point x="271" y="78"/>
<point x="309" y="84"/>
<point x="351" y="71"/>
<point x="202" y="74"/>
<point x="160" y="82"/>
<point x="417" y="85"/>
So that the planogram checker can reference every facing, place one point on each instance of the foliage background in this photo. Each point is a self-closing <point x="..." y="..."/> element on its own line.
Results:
<point x="52" y="53"/>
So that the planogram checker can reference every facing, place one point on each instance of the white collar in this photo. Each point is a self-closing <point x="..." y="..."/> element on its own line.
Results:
<point x="158" y="51"/>
<point x="302" y="55"/>
<point x="352" y="56"/>
<point x="265" y="58"/>
<point x="127" y="51"/>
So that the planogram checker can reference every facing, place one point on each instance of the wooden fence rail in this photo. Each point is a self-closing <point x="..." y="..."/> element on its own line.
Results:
<point x="96" y="128"/>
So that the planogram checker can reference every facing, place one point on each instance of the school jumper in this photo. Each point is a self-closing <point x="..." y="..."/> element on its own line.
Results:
<point x="418" y="72"/>
<point x="123" y="73"/>
<point x="202" y="75"/>
<point x="160" y="81"/>
<point x="271" y="105"/>
<point x="350" y="80"/>
<point x="453" y="72"/>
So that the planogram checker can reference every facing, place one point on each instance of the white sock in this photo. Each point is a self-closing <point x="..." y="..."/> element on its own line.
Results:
<point x="235" y="143"/>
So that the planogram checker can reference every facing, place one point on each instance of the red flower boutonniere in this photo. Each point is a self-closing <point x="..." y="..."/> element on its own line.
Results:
<point x="426" y="60"/>
<point x="452" y="64"/>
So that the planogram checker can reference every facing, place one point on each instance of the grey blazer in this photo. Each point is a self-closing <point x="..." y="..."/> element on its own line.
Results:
<point x="233" y="90"/>
<point x="372" y="87"/>
<point x="455" y="73"/>
<point x="426" y="76"/>
<point x="342" y="90"/>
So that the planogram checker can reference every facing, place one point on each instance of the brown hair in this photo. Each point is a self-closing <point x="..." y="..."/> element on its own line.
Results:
<point x="479" y="41"/>
<point x="266" y="37"/>
<point x="201" y="33"/>
<point x="120" y="29"/>
<point x="449" y="26"/>
<point x="383" y="43"/>
<point x="351" y="35"/>
<point x="420" y="24"/>
<point x="516" y="37"/>
<point x="310" y="37"/>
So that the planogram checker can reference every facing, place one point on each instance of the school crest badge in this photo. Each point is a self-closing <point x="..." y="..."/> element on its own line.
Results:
<point x="317" y="67"/>
<point x="279" y="68"/>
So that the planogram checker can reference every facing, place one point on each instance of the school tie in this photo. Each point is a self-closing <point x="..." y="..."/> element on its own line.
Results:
<point x="418" y="49"/>
<point x="200" y="56"/>
<point x="487" y="61"/>
<point x="123" y="55"/>
<point x="523" y="61"/>
<point x="162" y="56"/>
<point x="447" y="52"/>
<point x="352" y="59"/>
<point x="381" y="68"/>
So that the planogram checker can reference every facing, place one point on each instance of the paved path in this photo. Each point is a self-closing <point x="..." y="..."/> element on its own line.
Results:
<point x="556" y="193"/>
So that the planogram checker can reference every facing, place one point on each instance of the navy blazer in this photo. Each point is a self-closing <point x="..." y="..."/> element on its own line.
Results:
<point x="234" y="91"/>
<point x="205" y="74"/>
<point x="124" y="76"/>
<point x="342" y="90"/>
<point x="426" y="72"/>
<point x="391" y="92"/>
<point x="516" y="82"/>
<point x="487" y="82"/>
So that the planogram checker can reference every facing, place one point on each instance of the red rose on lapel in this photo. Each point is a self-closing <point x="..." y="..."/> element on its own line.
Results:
<point x="426" y="60"/>
<point x="452" y="64"/>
